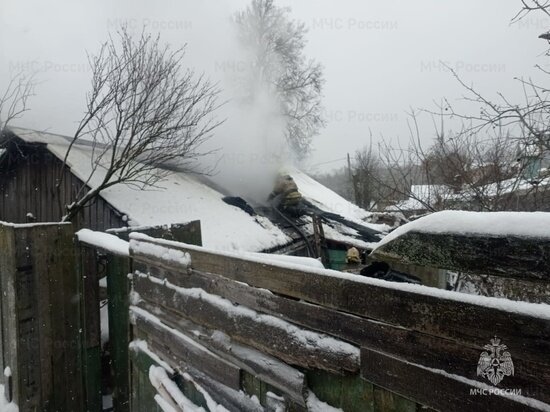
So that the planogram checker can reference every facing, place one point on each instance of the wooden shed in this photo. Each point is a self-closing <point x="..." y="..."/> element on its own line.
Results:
<point x="29" y="173"/>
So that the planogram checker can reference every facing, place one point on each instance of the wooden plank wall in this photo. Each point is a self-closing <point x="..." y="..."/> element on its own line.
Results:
<point x="40" y="316"/>
<point x="28" y="185"/>
<point x="517" y="267"/>
<point x="223" y="318"/>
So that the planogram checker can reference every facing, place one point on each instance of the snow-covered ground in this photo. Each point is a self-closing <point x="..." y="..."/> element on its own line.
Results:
<point x="422" y="195"/>
<point x="6" y="406"/>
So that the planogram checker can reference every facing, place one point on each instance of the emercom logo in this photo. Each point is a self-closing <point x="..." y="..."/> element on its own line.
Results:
<point x="495" y="362"/>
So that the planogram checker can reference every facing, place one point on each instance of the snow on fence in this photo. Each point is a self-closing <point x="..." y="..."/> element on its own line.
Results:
<point x="240" y="324"/>
<point x="505" y="244"/>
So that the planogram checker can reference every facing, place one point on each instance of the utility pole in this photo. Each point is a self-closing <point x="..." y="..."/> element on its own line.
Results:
<point x="353" y="181"/>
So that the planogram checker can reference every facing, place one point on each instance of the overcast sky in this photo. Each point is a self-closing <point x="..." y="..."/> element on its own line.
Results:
<point x="380" y="57"/>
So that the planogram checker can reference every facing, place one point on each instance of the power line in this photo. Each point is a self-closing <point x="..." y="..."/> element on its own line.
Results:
<point x="329" y="161"/>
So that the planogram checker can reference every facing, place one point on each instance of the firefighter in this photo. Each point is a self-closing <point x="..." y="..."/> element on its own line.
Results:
<point x="352" y="256"/>
<point x="286" y="197"/>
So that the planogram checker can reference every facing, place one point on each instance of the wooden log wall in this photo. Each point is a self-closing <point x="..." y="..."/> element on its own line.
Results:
<point x="237" y="325"/>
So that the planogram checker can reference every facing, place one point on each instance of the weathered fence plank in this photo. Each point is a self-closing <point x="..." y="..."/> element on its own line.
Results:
<point x="118" y="291"/>
<point x="349" y="393"/>
<point x="233" y="400"/>
<point x="419" y="347"/>
<point x="264" y="333"/>
<point x="435" y="388"/>
<point x="41" y="316"/>
<point x="91" y="331"/>
<point x="60" y="263"/>
<point x="27" y="310"/>
<point x="469" y="320"/>
<point x="8" y="299"/>
<point x="189" y="232"/>
<point x="199" y="291"/>
<point x="262" y="366"/>
<point x="47" y="288"/>
<point x="186" y="349"/>
<point x="508" y="256"/>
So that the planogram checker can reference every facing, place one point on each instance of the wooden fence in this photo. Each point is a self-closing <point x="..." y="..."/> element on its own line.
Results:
<point x="50" y="343"/>
<point x="40" y="317"/>
<point x="230" y="327"/>
<point x="252" y="334"/>
<point x="96" y="259"/>
<point x="95" y="262"/>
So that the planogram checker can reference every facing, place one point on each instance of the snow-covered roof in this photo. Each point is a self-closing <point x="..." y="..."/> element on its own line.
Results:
<point x="179" y="198"/>
<point x="183" y="197"/>
<point x="422" y="195"/>
<point x="329" y="201"/>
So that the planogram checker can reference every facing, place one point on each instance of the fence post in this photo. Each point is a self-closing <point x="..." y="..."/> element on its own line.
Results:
<point x="7" y="299"/>
<point x="118" y="268"/>
<point x="91" y="342"/>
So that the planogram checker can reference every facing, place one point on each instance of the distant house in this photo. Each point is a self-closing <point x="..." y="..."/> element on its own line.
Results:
<point x="424" y="198"/>
<point x="513" y="194"/>
<point x="32" y="162"/>
<point x="533" y="160"/>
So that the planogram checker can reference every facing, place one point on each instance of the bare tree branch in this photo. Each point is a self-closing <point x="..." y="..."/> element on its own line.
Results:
<point x="14" y="101"/>
<point x="146" y="114"/>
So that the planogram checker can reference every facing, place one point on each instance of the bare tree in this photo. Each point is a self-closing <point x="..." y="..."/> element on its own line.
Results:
<point x="523" y="127"/>
<point x="528" y="121"/>
<point x="529" y="6"/>
<point x="405" y="170"/>
<point x="457" y="170"/>
<point x="13" y="102"/>
<point x="145" y="113"/>
<point x="276" y="44"/>
<point x="337" y="180"/>
<point x="479" y="165"/>
<point x="371" y="192"/>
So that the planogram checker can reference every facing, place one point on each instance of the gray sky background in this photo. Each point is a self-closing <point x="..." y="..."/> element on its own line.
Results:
<point x="380" y="57"/>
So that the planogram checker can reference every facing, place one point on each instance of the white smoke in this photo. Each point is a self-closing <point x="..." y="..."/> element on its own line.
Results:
<point x="251" y="144"/>
<point x="252" y="147"/>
